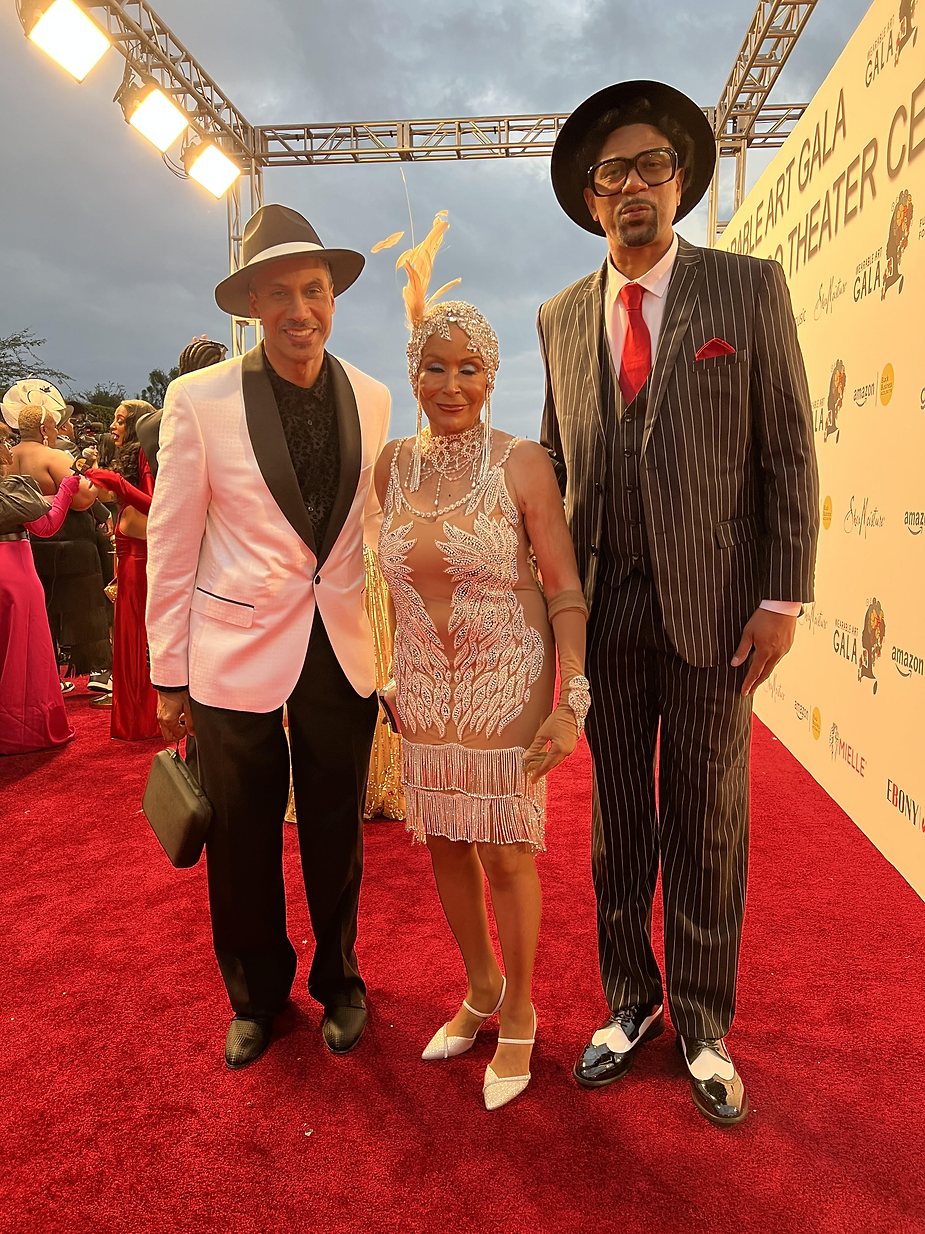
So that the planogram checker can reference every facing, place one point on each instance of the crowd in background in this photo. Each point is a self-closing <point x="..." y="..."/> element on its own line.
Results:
<point x="74" y="499"/>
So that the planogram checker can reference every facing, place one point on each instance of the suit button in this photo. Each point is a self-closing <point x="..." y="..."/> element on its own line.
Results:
<point x="631" y="488"/>
<point x="593" y="550"/>
<point x="629" y="453"/>
<point x="599" y="487"/>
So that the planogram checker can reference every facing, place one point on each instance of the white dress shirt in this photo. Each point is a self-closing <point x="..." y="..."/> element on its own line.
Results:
<point x="655" y="282"/>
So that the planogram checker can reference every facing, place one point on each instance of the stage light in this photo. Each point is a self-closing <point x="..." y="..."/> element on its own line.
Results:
<point x="211" y="168"/>
<point x="151" y="112"/>
<point x="71" y="37"/>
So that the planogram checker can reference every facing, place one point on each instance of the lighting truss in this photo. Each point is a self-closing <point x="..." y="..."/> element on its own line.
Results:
<point x="486" y="137"/>
<point x="153" y="50"/>
<point x="743" y="119"/>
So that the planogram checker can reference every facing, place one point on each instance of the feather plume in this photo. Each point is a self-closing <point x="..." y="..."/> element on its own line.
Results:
<point x="418" y="264"/>
<point x="388" y="242"/>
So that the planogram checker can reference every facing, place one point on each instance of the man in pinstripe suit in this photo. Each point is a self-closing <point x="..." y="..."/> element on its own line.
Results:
<point x="678" y="419"/>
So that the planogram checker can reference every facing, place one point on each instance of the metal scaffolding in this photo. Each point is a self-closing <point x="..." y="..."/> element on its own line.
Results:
<point x="743" y="116"/>
<point x="743" y="119"/>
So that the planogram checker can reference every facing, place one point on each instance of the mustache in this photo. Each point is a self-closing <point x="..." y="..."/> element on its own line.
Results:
<point x="635" y="201"/>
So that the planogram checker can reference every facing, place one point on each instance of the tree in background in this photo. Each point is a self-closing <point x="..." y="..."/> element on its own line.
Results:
<point x="109" y="395"/>
<point x="19" y="359"/>
<point x="156" y="392"/>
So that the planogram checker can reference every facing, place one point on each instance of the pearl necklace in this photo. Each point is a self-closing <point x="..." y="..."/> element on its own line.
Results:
<point x="449" y="457"/>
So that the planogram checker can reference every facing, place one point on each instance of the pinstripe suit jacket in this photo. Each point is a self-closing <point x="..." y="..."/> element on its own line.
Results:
<point x="728" y="472"/>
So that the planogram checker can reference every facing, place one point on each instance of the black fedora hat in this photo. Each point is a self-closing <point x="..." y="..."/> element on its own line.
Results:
<point x="570" y="177"/>
<point x="275" y="233"/>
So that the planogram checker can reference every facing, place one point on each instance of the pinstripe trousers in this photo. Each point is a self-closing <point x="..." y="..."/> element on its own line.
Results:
<point x="653" y="714"/>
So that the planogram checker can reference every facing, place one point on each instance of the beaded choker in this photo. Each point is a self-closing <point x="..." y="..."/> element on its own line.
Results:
<point x="453" y="453"/>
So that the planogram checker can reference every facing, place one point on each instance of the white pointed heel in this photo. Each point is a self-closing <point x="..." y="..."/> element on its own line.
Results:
<point x="441" y="1045"/>
<point x="499" y="1091"/>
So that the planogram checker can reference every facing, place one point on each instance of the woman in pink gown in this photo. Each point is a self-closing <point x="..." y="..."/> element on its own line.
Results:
<point x="32" y="712"/>
<point x="134" y="700"/>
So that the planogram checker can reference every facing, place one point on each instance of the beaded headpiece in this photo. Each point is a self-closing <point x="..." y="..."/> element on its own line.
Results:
<point x="426" y="318"/>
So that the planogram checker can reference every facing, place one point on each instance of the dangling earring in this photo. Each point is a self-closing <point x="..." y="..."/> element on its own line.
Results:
<point x="416" y="453"/>
<point x="486" y="439"/>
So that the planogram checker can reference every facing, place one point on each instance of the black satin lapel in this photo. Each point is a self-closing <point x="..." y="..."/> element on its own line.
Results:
<point x="681" y="297"/>
<point x="589" y="315"/>
<point x="351" y="453"/>
<point x="265" y="430"/>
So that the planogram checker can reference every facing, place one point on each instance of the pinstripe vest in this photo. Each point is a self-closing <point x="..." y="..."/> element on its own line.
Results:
<point x="625" y="546"/>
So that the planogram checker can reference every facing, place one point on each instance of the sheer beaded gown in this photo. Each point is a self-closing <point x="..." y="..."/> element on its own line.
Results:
<point x="474" y="656"/>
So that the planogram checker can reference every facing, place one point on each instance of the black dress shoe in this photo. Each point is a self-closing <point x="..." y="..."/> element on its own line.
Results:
<point x="247" y="1039"/>
<point x="342" y="1028"/>
<point x="721" y="1099"/>
<point x="610" y="1053"/>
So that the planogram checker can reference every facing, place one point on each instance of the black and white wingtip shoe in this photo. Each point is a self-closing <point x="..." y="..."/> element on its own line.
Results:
<point x="716" y="1087"/>
<point x="611" y="1052"/>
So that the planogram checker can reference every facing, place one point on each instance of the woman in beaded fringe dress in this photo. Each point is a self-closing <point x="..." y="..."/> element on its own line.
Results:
<point x="466" y="508"/>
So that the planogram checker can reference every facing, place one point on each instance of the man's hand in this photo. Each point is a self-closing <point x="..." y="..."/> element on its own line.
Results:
<point x="174" y="715"/>
<point x="771" y="636"/>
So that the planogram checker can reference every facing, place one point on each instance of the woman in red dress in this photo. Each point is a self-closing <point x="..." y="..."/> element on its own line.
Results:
<point x="32" y="713"/>
<point x="134" y="701"/>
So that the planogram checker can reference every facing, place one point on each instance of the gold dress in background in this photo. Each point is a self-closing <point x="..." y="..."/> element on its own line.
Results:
<point x="384" y="795"/>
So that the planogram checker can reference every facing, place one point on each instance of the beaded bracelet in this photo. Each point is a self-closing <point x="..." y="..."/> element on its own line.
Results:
<point x="577" y="693"/>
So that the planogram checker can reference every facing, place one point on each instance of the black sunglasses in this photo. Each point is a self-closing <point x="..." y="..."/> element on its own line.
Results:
<point x="654" y="167"/>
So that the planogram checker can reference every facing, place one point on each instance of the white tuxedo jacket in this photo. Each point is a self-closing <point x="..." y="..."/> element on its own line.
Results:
<point x="234" y="573"/>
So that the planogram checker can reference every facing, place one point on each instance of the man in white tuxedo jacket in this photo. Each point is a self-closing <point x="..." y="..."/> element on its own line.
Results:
<point x="255" y="600"/>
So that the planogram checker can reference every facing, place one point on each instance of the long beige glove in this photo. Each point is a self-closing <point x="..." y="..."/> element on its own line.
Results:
<point x="558" y="735"/>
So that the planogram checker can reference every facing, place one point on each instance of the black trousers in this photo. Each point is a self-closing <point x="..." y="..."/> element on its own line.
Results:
<point x="646" y="699"/>
<point x="244" y="762"/>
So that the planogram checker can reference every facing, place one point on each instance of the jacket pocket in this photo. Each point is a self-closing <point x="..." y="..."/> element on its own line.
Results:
<point x="711" y="362"/>
<point x="738" y="531"/>
<point x="234" y="612"/>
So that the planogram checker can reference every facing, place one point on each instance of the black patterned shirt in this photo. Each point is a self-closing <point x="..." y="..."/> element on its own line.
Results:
<point x="309" y="418"/>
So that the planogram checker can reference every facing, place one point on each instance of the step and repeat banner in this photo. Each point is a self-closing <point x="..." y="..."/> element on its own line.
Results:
<point x="842" y="208"/>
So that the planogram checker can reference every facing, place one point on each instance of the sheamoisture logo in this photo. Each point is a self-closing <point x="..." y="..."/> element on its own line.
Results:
<point x="825" y="301"/>
<point x="862" y="517"/>
<point x="774" y="688"/>
<point x="814" y="618"/>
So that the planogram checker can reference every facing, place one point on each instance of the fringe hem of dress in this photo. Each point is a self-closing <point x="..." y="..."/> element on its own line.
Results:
<point x="474" y="795"/>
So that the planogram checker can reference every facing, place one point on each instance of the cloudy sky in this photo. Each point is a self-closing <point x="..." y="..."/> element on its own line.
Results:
<point x="114" y="260"/>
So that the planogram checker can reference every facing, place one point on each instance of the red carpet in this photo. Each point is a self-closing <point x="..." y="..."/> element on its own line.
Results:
<point x="117" y="1114"/>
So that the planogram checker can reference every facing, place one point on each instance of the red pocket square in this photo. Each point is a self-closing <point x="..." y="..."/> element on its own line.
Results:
<point x="715" y="347"/>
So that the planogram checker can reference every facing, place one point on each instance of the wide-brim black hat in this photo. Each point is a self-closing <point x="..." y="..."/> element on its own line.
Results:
<point x="570" y="177"/>
<point x="276" y="233"/>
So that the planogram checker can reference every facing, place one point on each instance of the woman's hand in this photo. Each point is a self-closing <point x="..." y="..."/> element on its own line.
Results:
<point x="554" y="742"/>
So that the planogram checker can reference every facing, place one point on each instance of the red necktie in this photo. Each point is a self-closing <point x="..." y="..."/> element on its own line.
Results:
<point x="636" y="361"/>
